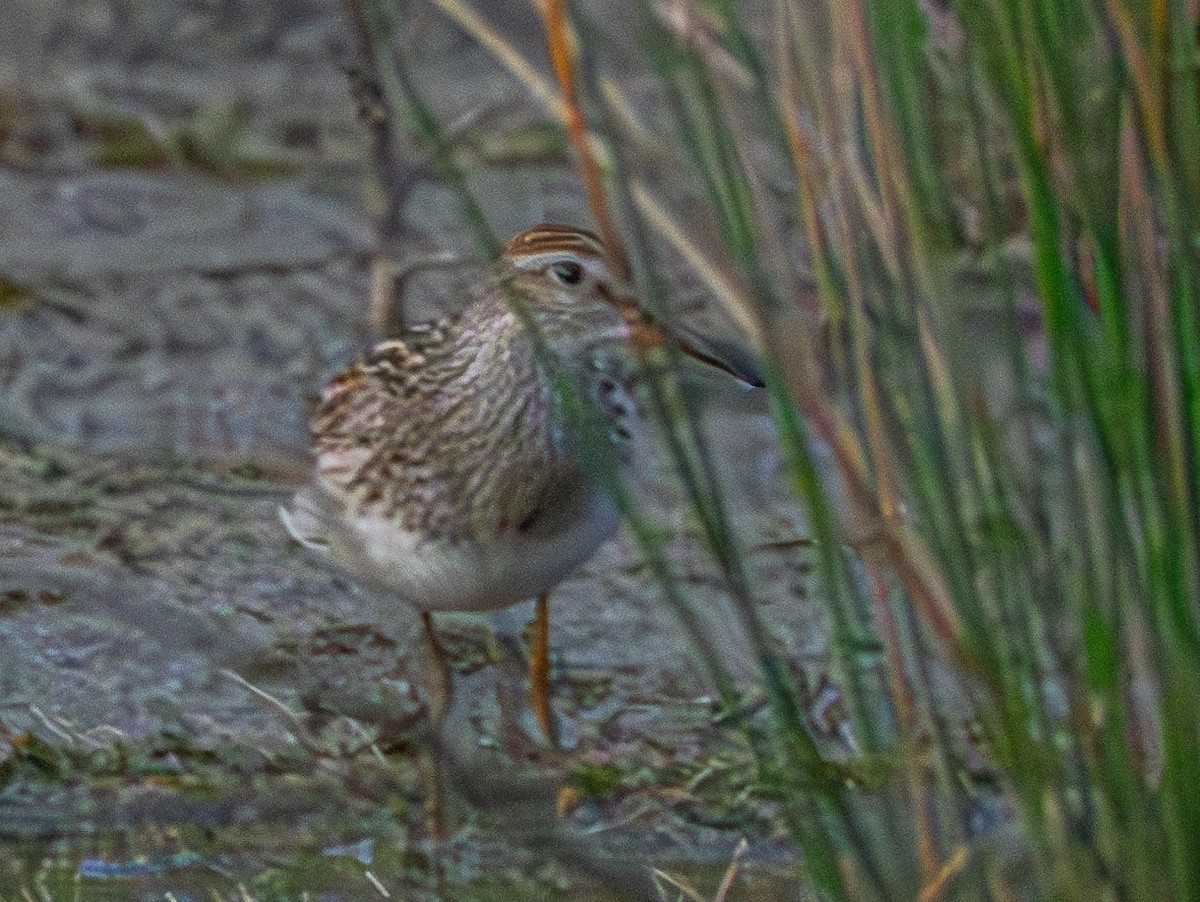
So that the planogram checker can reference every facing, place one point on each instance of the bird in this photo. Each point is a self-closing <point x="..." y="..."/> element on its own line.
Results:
<point x="448" y="473"/>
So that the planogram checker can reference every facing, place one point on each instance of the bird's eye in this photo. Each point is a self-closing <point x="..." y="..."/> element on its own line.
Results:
<point x="567" y="272"/>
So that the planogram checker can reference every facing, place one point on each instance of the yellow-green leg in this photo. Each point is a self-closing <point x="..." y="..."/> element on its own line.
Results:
<point x="539" y="670"/>
<point x="439" y="702"/>
<point x="439" y="678"/>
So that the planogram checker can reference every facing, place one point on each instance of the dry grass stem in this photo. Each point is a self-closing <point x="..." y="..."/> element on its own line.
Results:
<point x="724" y="286"/>
<point x="686" y="890"/>
<point x="507" y="55"/>
<point x="731" y="871"/>
<point x="375" y="882"/>
<point x="562" y="55"/>
<point x="935" y="889"/>
<point x="696" y="31"/>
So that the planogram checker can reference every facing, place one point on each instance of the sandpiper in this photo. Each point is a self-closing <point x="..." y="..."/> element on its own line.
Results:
<point x="447" y="474"/>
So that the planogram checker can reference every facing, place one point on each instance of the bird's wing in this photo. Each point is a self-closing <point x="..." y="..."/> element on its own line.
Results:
<point x="386" y="386"/>
<point x="440" y="435"/>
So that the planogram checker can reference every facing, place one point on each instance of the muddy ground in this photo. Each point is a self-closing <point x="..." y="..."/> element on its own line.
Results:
<point x="188" y="705"/>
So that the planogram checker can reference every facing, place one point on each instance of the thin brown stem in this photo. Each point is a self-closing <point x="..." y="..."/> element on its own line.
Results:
<point x="554" y="14"/>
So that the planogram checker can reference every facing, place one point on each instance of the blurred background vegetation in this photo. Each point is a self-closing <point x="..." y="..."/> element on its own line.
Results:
<point x="962" y="235"/>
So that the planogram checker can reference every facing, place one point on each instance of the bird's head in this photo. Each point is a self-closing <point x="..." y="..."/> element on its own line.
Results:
<point x="562" y="275"/>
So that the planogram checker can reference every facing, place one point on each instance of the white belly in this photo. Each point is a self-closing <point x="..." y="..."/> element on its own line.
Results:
<point x="433" y="574"/>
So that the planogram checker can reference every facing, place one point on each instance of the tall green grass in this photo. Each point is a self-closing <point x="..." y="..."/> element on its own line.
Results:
<point x="1023" y="527"/>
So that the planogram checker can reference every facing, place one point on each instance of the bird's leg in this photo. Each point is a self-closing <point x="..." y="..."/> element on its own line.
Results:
<point x="439" y="683"/>
<point x="438" y="688"/>
<point x="539" y="670"/>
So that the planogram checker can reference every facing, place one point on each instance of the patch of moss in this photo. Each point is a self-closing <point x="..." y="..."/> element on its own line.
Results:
<point x="597" y="781"/>
<point x="30" y="756"/>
